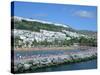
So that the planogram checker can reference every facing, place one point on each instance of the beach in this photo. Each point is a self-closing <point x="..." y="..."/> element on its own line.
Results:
<point x="52" y="48"/>
<point x="46" y="48"/>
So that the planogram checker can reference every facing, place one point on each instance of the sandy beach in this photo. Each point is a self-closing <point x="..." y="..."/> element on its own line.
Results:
<point x="47" y="48"/>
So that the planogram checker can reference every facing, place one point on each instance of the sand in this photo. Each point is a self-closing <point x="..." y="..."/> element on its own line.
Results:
<point x="47" y="48"/>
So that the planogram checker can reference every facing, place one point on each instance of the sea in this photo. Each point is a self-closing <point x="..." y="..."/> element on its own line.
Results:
<point x="87" y="65"/>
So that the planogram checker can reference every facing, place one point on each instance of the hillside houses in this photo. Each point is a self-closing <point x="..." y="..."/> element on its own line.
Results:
<point x="31" y="32"/>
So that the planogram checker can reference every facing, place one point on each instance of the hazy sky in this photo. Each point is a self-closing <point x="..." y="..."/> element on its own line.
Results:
<point x="76" y="16"/>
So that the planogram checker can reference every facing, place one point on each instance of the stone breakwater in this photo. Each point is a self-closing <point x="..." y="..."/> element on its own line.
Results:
<point x="29" y="64"/>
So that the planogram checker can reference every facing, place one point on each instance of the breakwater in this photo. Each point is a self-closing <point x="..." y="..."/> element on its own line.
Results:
<point x="39" y="61"/>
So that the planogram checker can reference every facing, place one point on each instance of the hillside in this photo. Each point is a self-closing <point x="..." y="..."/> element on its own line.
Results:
<point x="36" y="25"/>
<point x="31" y="32"/>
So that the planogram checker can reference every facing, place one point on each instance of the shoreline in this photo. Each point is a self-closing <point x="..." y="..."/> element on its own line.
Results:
<point x="30" y="66"/>
<point x="33" y="68"/>
<point x="33" y="63"/>
<point x="52" y="48"/>
<point x="45" y="48"/>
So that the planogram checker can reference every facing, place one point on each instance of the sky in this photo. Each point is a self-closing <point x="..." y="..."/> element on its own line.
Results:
<point x="76" y="16"/>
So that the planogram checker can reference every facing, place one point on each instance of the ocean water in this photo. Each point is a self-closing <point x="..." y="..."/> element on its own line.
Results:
<point x="92" y="64"/>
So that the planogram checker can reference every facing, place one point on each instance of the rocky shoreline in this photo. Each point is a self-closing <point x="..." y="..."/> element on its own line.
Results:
<point x="23" y="65"/>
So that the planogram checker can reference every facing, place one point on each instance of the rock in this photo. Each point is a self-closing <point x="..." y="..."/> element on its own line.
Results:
<point x="27" y="66"/>
<point x="15" y="68"/>
<point x="20" y="65"/>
